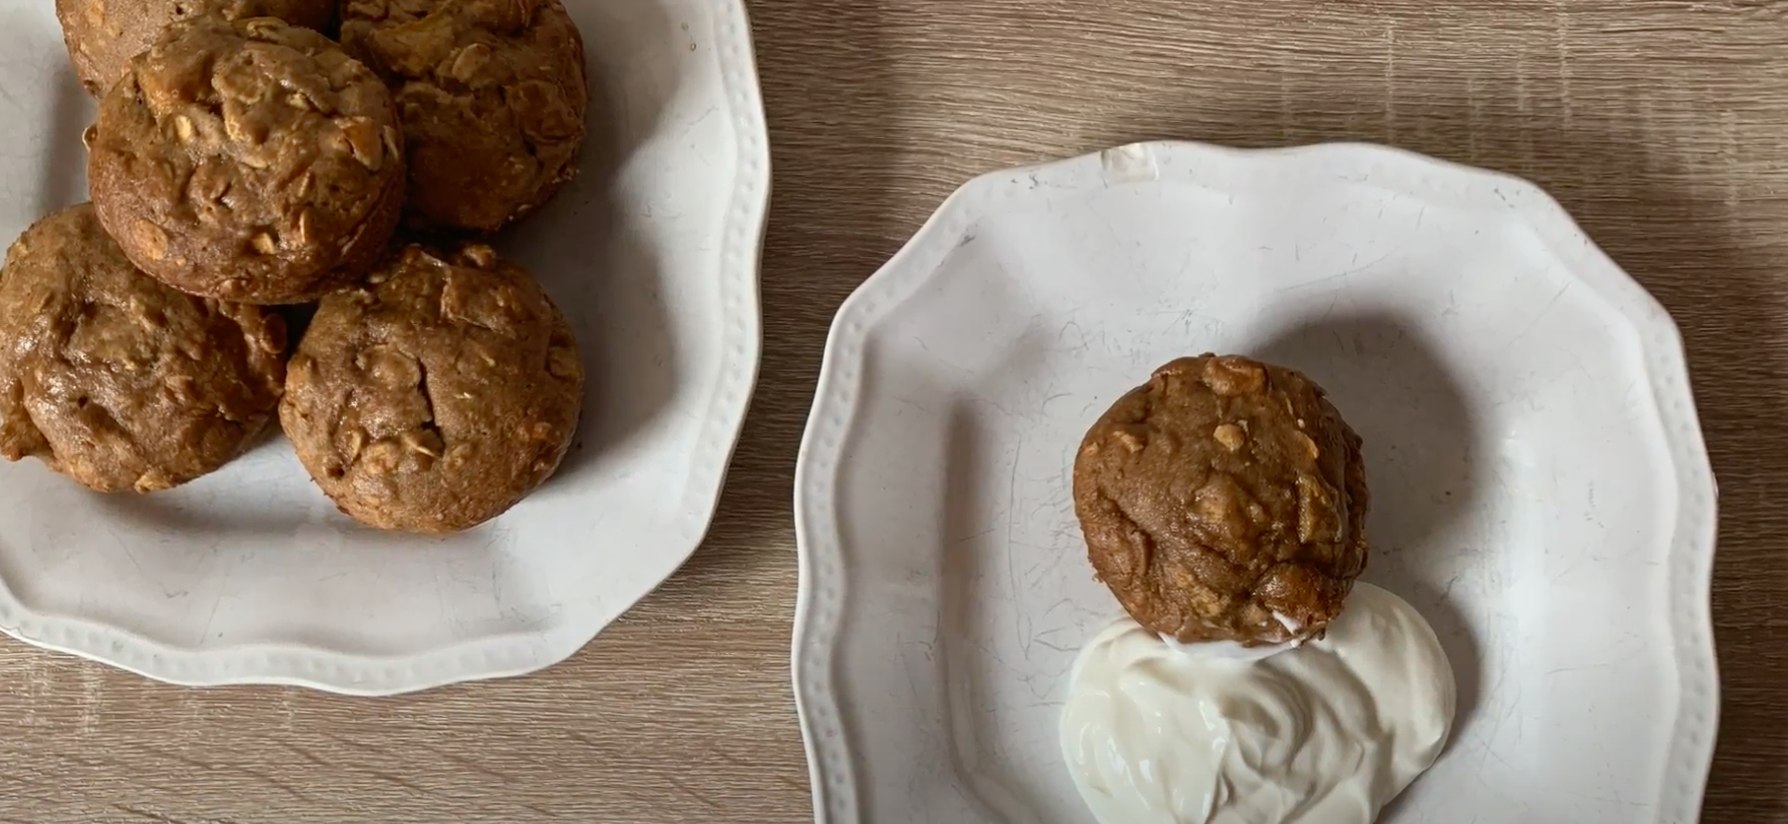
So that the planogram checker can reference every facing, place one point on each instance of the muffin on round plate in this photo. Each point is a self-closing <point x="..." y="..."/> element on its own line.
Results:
<point x="1224" y="500"/>
<point x="248" y="160"/>
<point x="493" y="97"/>
<point x="103" y="35"/>
<point x="438" y="395"/>
<point x="116" y="380"/>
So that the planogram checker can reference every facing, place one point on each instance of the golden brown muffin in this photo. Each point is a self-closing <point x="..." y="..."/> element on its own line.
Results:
<point x="437" y="396"/>
<point x="493" y="98"/>
<point x="116" y="380"/>
<point x="1224" y="500"/>
<point x="103" y="35"/>
<point x="249" y="161"/>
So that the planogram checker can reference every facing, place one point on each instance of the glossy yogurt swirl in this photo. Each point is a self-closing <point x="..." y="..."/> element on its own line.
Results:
<point x="1325" y="733"/>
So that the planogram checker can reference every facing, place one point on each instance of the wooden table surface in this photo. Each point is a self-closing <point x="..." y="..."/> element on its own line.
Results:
<point x="1662" y="124"/>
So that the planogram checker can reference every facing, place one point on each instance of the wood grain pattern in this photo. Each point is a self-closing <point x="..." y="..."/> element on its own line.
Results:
<point x="1662" y="124"/>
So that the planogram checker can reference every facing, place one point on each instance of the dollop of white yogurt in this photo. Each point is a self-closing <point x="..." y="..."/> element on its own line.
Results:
<point x="1325" y="733"/>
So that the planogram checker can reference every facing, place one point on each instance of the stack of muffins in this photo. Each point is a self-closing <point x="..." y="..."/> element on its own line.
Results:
<point x="242" y="165"/>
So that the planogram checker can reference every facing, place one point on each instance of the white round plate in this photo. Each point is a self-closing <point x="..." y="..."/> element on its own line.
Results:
<point x="1540" y="488"/>
<point x="250" y="575"/>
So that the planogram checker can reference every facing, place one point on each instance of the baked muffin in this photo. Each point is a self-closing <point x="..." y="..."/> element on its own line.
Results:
<point x="103" y="35"/>
<point x="250" y="161"/>
<point x="493" y="98"/>
<point x="1225" y="500"/>
<point x="117" y="381"/>
<point x="438" y="395"/>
